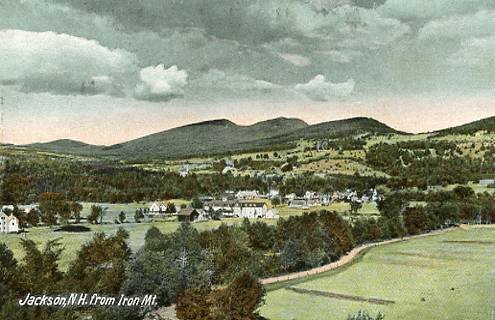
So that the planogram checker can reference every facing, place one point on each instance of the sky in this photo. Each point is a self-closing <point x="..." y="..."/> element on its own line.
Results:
<point x="104" y="72"/>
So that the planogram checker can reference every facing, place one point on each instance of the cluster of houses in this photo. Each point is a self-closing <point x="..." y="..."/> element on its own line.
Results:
<point x="252" y="204"/>
<point x="312" y="199"/>
<point x="240" y="209"/>
<point x="217" y="208"/>
<point x="349" y="195"/>
<point x="241" y="204"/>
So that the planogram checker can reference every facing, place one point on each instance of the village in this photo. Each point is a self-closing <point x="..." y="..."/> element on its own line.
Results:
<point x="251" y="204"/>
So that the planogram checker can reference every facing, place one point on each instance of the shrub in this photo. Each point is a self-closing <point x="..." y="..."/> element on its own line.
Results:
<point x="364" y="315"/>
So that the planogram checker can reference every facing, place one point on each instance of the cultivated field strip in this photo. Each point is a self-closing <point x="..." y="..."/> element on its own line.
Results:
<point x="341" y="296"/>
<point x="344" y="259"/>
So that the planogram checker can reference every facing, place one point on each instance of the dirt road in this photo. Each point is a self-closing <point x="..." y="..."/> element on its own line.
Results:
<point x="345" y="259"/>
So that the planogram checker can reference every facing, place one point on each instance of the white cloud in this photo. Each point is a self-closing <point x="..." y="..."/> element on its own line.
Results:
<point x="61" y="63"/>
<point x="320" y="89"/>
<point x="480" y="24"/>
<point x="295" y="59"/>
<point x="476" y="52"/>
<point x="345" y="56"/>
<point x="216" y="79"/>
<point x="424" y="10"/>
<point x="160" y="84"/>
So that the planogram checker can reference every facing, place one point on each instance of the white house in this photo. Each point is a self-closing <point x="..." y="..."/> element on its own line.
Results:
<point x="8" y="223"/>
<point x="184" y="171"/>
<point x="273" y="193"/>
<point x="272" y="214"/>
<point x="247" y="194"/>
<point x="299" y="203"/>
<point x="224" y="207"/>
<point x="157" y="207"/>
<point x="290" y="197"/>
<point x="229" y="169"/>
<point x="310" y="195"/>
<point x="228" y="195"/>
<point x="250" y="209"/>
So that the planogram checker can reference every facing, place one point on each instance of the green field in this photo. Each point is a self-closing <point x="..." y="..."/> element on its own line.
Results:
<point x="72" y="241"/>
<point x="368" y="209"/>
<point x="449" y="276"/>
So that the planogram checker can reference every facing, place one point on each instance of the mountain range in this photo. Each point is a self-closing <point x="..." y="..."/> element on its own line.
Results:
<point x="223" y="136"/>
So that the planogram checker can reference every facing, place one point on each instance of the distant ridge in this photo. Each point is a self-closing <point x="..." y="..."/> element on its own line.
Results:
<point x="205" y="138"/>
<point x="220" y="136"/>
<point x="486" y="124"/>
<point x="66" y="146"/>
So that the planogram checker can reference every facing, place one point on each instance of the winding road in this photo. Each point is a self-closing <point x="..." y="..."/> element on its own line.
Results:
<point x="345" y="259"/>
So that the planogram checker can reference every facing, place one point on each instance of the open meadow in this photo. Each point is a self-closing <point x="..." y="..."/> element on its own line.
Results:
<point x="447" y="276"/>
<point x="72" y="241"/>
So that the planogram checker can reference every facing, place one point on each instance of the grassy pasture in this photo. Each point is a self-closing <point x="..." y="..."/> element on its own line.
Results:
<point x="339" y="166"/>
<point x="448" y="276"/>
<point x="368" y="209"/>
<point x="72" y="241"/>
<point x="113" y="209"/>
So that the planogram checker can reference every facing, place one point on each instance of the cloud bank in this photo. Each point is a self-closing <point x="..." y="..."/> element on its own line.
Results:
<point x="320" y="89"/>
<point x="263" y="47"/>
<point x="160" y="84"/>
<point x="62" y="64"/>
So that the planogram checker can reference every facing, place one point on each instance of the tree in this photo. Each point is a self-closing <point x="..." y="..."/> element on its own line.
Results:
<point x="76" y="208"/>
<point x="122" y="217"/>
<point x="95" y="214"/>
<point x="196" y="203"/>
<point x="39" y="269"/>
<point x="415" y="220"/>
<point x="171" y="208"/>
<point x="275" y="201"/>
<point x="33" y="217"/>
<point x="487" y="204"/>
<point x="261" y="236"/>
<point x="100" y="264"/>
<point x="463" y="192"/>
<point x="8" y="273"/>
<point x="20" y="215"/>
<point x="51" y="205"/>
<point x="393" y="205"/>
<point x="194" y="304"/>
<point x="138" y="215"/>
<point x="168" y="265"/>
<point x="392" y="227"/>
<point x="240" y="300"/>
<point x="355" y="206"/>
<point x="290" y="255"/>
<point x="287" y="167"/>
<point x="338" y="230"/>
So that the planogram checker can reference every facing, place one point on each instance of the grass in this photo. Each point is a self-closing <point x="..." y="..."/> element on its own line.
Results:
<point x="113" y="209"/>
<point x="427" y="278"/>
<point x="368" y="209"/>
<point x="473" y="185"/>
<point x="339" y="166"/>
<point x="73" y="241"/>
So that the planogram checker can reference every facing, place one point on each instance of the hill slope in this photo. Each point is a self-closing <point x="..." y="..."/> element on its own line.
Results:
<point x="220" y="136"/>
<point x="487" y="124"/>
<point x="66" y="146"/>
<point x="210" y="137"/>
<point x="333" y="129"/>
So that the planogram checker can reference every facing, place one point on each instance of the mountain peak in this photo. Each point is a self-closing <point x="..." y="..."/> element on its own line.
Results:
<point x="215" y="122"/>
